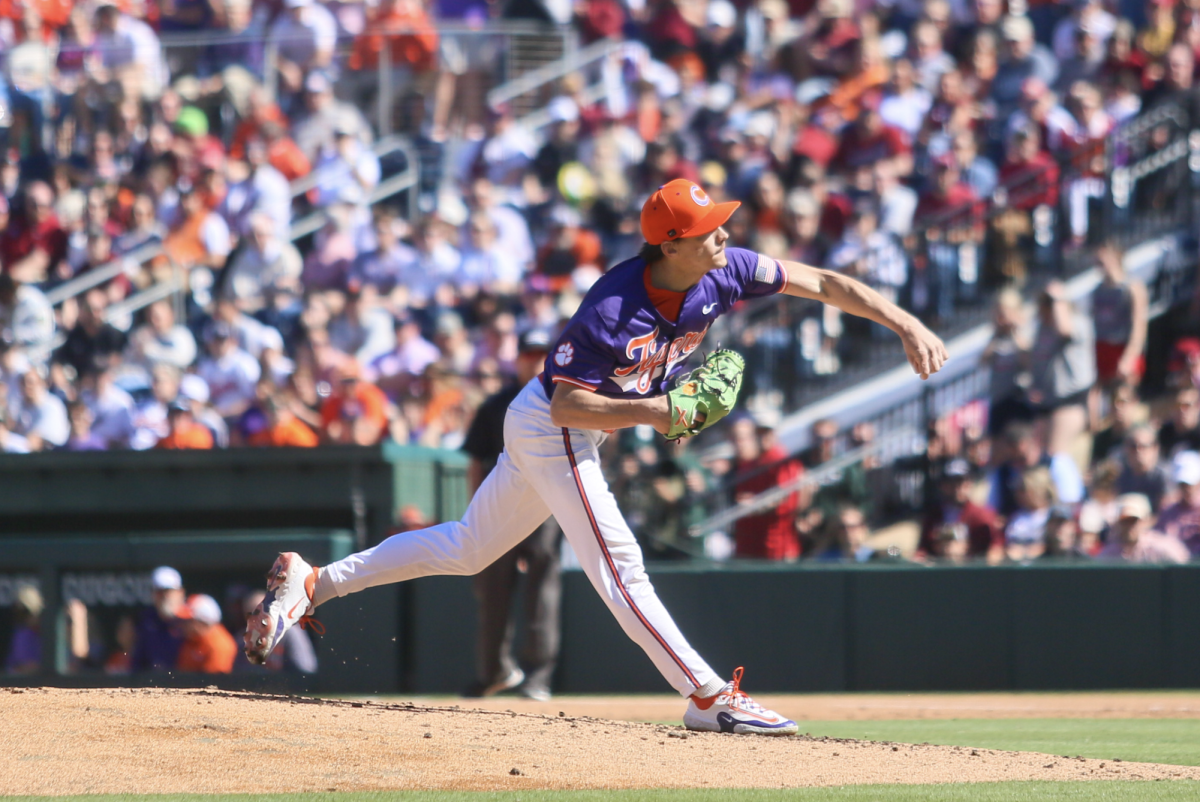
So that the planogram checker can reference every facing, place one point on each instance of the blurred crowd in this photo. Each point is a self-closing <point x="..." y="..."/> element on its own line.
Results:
<point x="171" y="146"/>
<point x="162" y="152"/>
<point x="176" y="633"/>
<point x="1062" y="459"/>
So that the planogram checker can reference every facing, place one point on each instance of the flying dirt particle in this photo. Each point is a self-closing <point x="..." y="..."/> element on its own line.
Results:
<point x="429" y="735"/>
<point x="514" y="771"/>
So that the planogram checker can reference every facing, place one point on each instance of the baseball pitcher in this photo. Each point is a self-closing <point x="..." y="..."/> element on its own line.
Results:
<point x="615" y="365"/>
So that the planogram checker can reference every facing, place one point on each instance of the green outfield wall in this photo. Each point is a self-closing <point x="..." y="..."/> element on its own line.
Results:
<point x="868" y="628"/>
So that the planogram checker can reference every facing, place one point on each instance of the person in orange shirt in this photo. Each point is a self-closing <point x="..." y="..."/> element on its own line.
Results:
<point x="185" y="432"/>
<point x="283" y="153"/>
<point x="412" y="38"/>
<point x="208" y="648"/>
<point x="357" y="410"/>
<point x="262" y="110"/>
<point x="284" y="428"/>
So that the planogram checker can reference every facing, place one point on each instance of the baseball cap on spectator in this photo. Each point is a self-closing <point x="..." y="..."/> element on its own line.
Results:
<point x="1133" y="505"/>
<point x="563" y="109"/>
<point x="1186" y="468"/>
<point x="449" y="324"/>
<point x="166" y="578"/>
<point x="1188" y="347"/>
<point x="713" y="174"/>
<point x="297" y="3"/>
<point x="1060" y="512"/>
<point x="802" y="203"/>
<point x="1016" y="29"/>
<point x="180" y="404"/>
<point x="682" y="209"/>
<point x="565" y="216"/>
<point x="761" y="123"/>
<point x="957" y="469"/>
<point x="719" y="96"/>
<point x="221" y="331"/>
<point x="813" y="89"/>
<point x="316" y="82"/>
<point x="345" y="125"/>
<point x="534" y="340"/>
<point x="721" y="14"/>
<point x="194" y="388"/>
<point x="403" y="317"/>
<point x="192" y="121"/>
<point x="200" y="607"/>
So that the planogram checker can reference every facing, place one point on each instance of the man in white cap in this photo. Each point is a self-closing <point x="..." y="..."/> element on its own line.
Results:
<point x="156" y="647"/>
<point x="1182" y="519"/>
<point x="1133" y="540"/>
<point x="208" y="647"/>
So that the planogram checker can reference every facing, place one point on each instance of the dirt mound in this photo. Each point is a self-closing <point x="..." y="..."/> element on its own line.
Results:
<point x="882" y="706"/>
<point x="207" y="741"/>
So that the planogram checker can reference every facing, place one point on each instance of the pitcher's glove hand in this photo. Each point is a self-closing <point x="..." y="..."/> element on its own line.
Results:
<point x="705" y="395"/>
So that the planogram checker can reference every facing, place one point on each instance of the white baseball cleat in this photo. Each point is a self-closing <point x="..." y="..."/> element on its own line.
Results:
<point x="289" y="598"/>
<point x="731" y="710"/>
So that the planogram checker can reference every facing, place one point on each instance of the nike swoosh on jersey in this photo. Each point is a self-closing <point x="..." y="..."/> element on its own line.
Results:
<point x="705" y="310"/>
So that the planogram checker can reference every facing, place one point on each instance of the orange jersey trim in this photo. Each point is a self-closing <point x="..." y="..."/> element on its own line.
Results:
<point x="575" y="382"/>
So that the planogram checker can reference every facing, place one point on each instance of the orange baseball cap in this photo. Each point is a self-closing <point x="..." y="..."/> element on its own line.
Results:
<point x="682" y="209"/>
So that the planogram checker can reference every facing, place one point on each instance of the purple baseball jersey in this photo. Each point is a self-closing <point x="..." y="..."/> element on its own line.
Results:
<point x="618" y="344"/>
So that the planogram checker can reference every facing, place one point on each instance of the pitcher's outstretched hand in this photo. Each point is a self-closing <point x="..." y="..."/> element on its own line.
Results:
<point x="925" y="351"/>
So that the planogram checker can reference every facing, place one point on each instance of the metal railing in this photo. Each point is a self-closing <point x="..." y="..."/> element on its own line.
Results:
<point x="798" y="353"/>
<point x="554" y="71"/>
<point x="122" y="265"/>
<point x="901" y="412"/>
<point x="901" y="441"/>
<point x="123" y="311"/>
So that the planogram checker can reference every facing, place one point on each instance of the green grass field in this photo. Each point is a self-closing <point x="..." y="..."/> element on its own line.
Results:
<point x="1149" y="740"/>
<point x="976" y="792"/>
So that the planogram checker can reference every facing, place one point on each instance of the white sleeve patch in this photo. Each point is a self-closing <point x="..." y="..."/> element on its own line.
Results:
<point x="765" y="272"/>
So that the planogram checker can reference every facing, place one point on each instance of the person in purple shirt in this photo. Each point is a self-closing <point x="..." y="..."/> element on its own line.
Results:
<point x="609" y="369"/>
<point x="156" y="647"/>
<point x="25" y="647"/>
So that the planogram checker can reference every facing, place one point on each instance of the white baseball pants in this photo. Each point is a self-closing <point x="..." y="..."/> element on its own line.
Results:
<point x="544" y="470"/>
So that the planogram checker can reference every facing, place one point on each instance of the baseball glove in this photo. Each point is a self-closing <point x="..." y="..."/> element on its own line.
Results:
<point x="710" y="391"/>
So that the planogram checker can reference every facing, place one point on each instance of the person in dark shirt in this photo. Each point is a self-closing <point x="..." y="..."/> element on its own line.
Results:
<point x="156" y="646"/>
<point x="1142" y="470"/>
<point x="1107" y="442"/>
<point x="1182" y="431"/>
<point x="93" y="342"/>
<point x="537" y="557"/>
<point x="971" y="527"/>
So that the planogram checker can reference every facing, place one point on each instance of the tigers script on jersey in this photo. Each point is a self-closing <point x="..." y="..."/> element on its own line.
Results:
<point x="617" y="343"/>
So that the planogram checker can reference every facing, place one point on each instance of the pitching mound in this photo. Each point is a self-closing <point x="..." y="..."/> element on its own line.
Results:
<point x="207" y="741"/>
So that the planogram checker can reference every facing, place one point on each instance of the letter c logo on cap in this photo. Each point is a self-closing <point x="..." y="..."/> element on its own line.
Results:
<point x="699" y="197"/>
